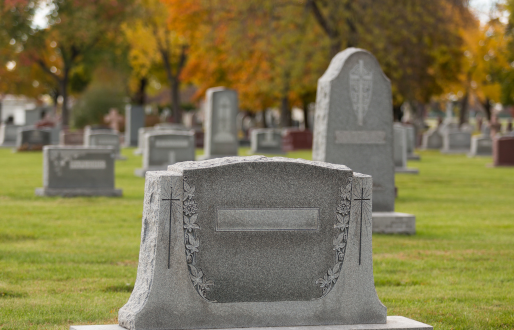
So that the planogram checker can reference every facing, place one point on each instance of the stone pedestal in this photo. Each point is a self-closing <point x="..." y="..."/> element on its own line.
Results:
<point x="394" y="223"/>
<point x="393" y="323"/>
<point x="134" y="120"/>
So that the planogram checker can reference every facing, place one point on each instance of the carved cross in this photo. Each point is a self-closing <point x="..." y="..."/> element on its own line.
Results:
<point x="361" y="199"/>
<point x="171" y="199"/>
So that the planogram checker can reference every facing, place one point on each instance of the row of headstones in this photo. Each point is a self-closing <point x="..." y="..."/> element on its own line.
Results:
<point x="450" y="139"/>
<point x="28" y="138"/>
<point x="243" y="242"/>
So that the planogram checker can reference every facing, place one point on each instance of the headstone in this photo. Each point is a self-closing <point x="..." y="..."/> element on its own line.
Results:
<point x="114" y="119"/>
<point x="220" y="123"/>
<point x="134" y="120"/>
<point x="503" y="151"/>
<point x="163" y="148"/>
<point x="266" y="141"/>
<point x="455" y="142"/>
<point x="8" y="135"/>
<point x="481" y="146"/>
<point x="32" y="139"/>
<point x="71" y="138"/>
<point x="78" y="171"/>
<point x="162" y="127"/>
<point x="354" y="125"/>
<point x="400" y="150"/>
<point x="432" y="139"/>
<point x="296" y="139"/>
<point x="246" y="242"/>
<point x="112" y="140"/>
<point x="486" y="130"/>
<point x="32" y="116"/>
<point x="411" y="142"/>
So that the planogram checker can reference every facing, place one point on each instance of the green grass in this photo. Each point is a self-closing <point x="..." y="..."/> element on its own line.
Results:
<point x="70" y="261"/>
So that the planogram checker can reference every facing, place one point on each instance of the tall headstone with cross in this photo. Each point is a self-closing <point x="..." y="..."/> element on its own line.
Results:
<point x="78" y="171"/>
<point x="354" y="126"/>
<point x="220" y="123"/>
<point x="163" y="148"/>
<point x="243" y="242"/>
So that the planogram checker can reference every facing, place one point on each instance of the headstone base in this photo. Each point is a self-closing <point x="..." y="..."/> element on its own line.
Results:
<point x="413" y="157"/>
<point x="393" y="322"/>
<point x="78" y="192"/>
<point x="406" y="170"/>
<point x="394" y="223"/>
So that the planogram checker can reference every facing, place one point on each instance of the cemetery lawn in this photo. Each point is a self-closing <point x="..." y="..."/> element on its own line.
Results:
<point x="67" y="261"/>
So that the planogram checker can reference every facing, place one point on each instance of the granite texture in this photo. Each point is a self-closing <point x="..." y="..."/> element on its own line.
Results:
<point x="222" y="106"/>
<point x="134" y="120"/>
<point x="78" y="171"/>
<point x="432" y="139"/>
<point x="393" y="323"/>
<point x="266" y="141"/>
<point x="456" y="142"/>
<point x="164" y="147"/>
<point x="193" y="276"/>
<point x="481" y="146"/>
<point x="32" y="139"/>
<point x="394" y="223"/>
<point x="355" y="96"/>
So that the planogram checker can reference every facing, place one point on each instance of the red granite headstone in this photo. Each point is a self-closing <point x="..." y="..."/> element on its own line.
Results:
<point x="503" y="151"/>
<point x="295" y="139"/>
<point x="68" y="138"/>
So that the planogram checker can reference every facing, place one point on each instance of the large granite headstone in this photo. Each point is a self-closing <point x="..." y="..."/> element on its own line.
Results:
<point x="354" y="126"/>
<point x="163" y="148"/>
<point x="134" y="120"/>
<point x="400" y="150"/>
<point x="8" y="135"/>
<point x="503" y="151"/>
<point x="481" y="145"/>
<point x="32" y="139"/>
<point x="244" y="242"/>
<point x="266" y="141"/>
<point x="106" y="139"/>
<point x="78" y="171"/>
<point x="220" y="123"/>
<point x="432" y="139"/>
<point x="456" y="142"/>
<point x="32" y="116"/>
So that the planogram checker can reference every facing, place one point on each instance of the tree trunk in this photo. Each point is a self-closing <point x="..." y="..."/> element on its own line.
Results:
<point x="63" y="86"/>
<point x="463" y="109"/>
<point x="175" y="100"/>
<point x="306" y="114"/>
<point x="397" y="112"/>
<point x="140" y="97"/>
<point x="285" y="114"/>
<point x="487" y="107"/>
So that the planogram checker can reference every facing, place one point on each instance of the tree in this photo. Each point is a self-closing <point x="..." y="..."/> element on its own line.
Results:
<point x="75" y="31"/>
<point x="154" y="41"/>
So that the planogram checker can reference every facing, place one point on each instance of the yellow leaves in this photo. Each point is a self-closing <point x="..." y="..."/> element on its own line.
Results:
<point x="143" y="47"/>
